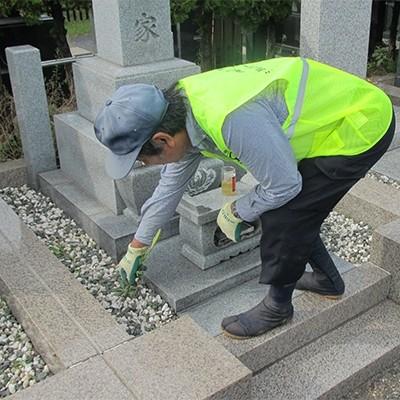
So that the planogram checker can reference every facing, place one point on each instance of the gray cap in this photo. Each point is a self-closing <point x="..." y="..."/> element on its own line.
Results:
<point x="126" y="122"/>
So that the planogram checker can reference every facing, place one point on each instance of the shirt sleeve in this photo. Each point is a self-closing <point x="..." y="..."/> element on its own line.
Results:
<point x="254" y="134"/>
<point x="161" y="206"/>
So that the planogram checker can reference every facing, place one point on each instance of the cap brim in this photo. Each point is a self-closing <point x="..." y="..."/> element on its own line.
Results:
<point x="119" y="166"/>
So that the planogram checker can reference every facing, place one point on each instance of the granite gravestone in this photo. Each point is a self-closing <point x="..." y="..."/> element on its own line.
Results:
<point x="336" y="32"/>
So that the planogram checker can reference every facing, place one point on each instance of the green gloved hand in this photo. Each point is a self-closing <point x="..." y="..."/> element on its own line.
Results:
<point x="229" y="224"/>
<point x="130" y="263"/>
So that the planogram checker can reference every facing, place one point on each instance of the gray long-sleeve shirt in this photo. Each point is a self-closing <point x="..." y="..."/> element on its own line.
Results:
<point x="253" y="132"/>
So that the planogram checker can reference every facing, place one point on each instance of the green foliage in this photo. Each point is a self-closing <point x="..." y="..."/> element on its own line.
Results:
<point x="251" y="13"/>
<point x="77" y="28"/>
<point x="31" y="10"/>
<point x="381" y="62"/>
<point x="180" y="9"/>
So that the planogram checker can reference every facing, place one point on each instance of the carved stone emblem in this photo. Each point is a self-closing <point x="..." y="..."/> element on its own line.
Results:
<point x="201" y="181"/>
<point x="145" y="28"/>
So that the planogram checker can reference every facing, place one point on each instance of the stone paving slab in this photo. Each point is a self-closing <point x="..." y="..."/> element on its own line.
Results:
<point x="385" y="252"/>
<point x="91" y="380"/>
<point x="314" y="316"/>
<point x="183" y="284"/>
<point x="239" y="299"/>
<point x="64" y="319"/>
<point x="337" y="362"/>
<point x="389" y="164"/>
<point x="371" y="201"/>
<point x="179" y="361"/>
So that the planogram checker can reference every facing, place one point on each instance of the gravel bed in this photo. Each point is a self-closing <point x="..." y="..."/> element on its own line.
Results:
<point x="384" y="179"/>
<point x="20" y="365"/>
<point x="348" y="239"/>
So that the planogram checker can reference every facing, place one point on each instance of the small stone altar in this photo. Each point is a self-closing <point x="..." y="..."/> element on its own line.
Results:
<point x="202" y="243"/>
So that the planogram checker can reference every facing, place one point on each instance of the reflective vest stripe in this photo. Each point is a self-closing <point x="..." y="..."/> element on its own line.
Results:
<point x="299" y="99"/>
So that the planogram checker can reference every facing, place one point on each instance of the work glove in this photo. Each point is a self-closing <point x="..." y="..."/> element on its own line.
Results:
<point x="230" y="225"/>
<point x="130" y="264"/>
<point x="132" y="261"/>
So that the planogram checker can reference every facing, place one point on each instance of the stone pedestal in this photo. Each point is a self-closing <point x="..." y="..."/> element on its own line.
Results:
<point x="336" y="32"/>
<point x="203" y="244"/>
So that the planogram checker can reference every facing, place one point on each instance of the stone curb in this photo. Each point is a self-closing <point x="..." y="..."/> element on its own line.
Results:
<point x="371" y="201"/>
<point x="386" y="253"/>
<point x="13" y="173"/>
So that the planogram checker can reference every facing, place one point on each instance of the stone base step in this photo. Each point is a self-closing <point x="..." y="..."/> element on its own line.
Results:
<point x="314" y="315"/>
<point x="389" y="164"/>
<point x="337" y="362"/>
<point x="371" y="201"/>
<point x="111" y="232"/>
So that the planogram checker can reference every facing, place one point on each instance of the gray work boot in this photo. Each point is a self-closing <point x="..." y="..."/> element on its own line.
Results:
<point x="265" y="316"/>
<point x="325" y="279"/>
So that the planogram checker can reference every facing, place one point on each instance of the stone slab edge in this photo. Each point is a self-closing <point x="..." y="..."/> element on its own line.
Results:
<point x="385" y="252"/>
<point x="372" y="202"/>
<point x="367" y="286"/>
<point x="13" y="173"/>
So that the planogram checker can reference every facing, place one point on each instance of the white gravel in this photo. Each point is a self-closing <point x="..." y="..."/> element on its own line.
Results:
<point x="97" y="272"/>
<point x="20" y="365"/>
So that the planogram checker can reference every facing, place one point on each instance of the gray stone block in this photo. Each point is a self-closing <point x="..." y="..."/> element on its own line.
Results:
<point x="183" y="284"/>
<point x="385" y="252"/>
<point x="32" y="110"/>
<point x="210" y="313"/>
<point x="336" y="33"/>
<point x="130" y="32"/>
<point x="111" y="232"/>
<point x="90" y="380"/>
<point x="82" y="158"/>
<point x="389" y="165"/>
<point x="337" y="362"/>
<point x="314" y="316"/>
<point x="198" y="227"/>
<point x="51" y="299"/>
<point x="97" y="79"/>
<point x="373" y="202"/>
<point x="13" y="173"/>
<point x="179" y="361"/>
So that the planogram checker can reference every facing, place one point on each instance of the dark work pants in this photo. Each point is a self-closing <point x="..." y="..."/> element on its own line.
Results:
<point x="290" y="231"/>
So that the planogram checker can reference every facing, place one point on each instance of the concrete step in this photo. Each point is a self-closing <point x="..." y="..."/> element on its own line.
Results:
<point x="337" y="362"/>
<point x="389" y="164"/>
<point x="314" y="316"/>
<point x="371" y="201"/>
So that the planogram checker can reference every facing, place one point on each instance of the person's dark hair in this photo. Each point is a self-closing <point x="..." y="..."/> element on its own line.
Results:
<point x="174" y="120"/>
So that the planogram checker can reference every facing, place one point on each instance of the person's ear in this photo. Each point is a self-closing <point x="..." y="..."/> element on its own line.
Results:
<point x="162" y="138"/>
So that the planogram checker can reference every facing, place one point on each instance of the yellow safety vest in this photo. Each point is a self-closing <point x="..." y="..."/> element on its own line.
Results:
<point x="330" y="112"/>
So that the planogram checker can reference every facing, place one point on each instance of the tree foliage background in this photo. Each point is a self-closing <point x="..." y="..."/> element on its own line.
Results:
<point x="220" y="23"/>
